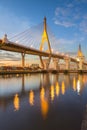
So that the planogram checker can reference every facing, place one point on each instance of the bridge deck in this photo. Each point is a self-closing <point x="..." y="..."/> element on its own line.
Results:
<point x="13" y="47"/>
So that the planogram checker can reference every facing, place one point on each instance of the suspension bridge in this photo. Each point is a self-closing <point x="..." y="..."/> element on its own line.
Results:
<point x="33" y="43"/>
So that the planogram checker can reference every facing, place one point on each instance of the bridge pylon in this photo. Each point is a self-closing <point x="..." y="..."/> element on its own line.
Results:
<point x="5" y="39"/>
<point x="80" y="57"/>
<point x="44" y="39"/>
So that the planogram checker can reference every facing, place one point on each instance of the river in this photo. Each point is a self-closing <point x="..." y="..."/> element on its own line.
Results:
<point x="43" y="102"/>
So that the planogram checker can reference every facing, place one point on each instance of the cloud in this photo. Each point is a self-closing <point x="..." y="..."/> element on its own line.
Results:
<point x="70" y="5"/>
<point x="11" y="24"/>
<point x="72" y="15"/>
<point x="63" y="16"/>
<point x="66" y="41"/>
<point x="85" y="17"/>
<point x="64" y="23"/>
<point x="81" y="1"/>
<point x="8" y="56"/>
<point x="65" y="45"/>
<point x="60" y="11"/>
<point x="83" y="26"/>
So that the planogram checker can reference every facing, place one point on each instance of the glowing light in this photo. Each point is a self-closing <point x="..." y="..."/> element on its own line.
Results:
<point x="78" y="59"/>
<point x="78" y="87"/>
<point x="44" y="107"/>
<point x="44" y="103"/>
<point x="74" y="84"/>
<point x="31" y="98"/>
<point x="42" y="93"/>
<point x="79" y="51"/>
<point x="44" y="38"/>
<point x="52" y="50"/>
<point x="17" y="75"/>
<point x="52" y="78"/>
<point x="52" y="92"/>
<point x="16" y="102"/>
<point x="67" y="55"/>
<point x="63" y="88"/>
<point x="62" y="54"/>
<point x="84" y="79"/>
<point x="16" y="42"/>
<point x="57" y="89"/>
<point x="31" y="46"/>
<point x="57" y="52"/>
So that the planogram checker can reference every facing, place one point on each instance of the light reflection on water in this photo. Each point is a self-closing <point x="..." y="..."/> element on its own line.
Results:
<point x="16" y="102"/>
<point x="31" y="98"/>
<point x="42" y="99"/>
<point x="44" y="103"/>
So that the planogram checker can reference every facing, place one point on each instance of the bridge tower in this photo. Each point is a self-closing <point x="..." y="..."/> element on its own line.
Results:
<point x="43" y="40"/>
<point x="5" y="39"/>
<point x="80" y="57"/>
<point x="45" y="37"/>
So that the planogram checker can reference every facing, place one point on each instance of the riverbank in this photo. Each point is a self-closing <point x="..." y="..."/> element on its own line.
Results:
<point x="41" y="71"/>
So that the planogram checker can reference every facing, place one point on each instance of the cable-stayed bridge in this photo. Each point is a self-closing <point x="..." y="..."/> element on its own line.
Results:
<point x="38" y="40"/>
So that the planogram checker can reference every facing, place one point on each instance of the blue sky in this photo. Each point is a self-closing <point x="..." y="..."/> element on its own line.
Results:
<point x="66" y="18"/>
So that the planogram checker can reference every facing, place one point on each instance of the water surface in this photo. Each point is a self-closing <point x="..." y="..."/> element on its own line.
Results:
<point x="43" y="102"/>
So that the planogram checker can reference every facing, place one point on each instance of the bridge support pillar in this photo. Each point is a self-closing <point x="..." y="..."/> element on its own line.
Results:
<point x="41" y="60"/>
<point x="56" y="60"/>
<point x="23" y="59"/>
<point x="67" y="62"/>
<point x="45" y="63"/>
<point x="80" y="64"/>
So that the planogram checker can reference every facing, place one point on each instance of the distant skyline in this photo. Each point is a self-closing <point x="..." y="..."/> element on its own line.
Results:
<point x="66" y="18"/>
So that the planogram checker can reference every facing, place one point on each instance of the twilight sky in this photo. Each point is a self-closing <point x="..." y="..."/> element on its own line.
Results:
<point x="66" y="18"/>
